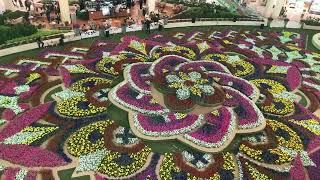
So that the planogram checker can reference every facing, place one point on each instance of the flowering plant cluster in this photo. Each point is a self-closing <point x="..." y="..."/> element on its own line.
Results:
<point x="230" y="104"/>
<point x="191" y="129"/>
<point x="55" y="54"/>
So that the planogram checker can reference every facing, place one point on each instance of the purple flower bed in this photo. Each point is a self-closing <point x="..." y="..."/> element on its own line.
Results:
<point x="166" y="63"/>
<point x="8" y="89"/>
<point x="246" y="111"/>
<point x="208" y="65"/>
<point x="241" y="103"/>
<point x="128" y="96"/>
<point x="215" y="128"/>
<point x="24" y="120"/>
<point x="293" y="78"/>
<point x="138" y="75"/>
<point x="239" y="84"/>
<point x="10" y="173"/>
<point x="159" y="124"/>
<point x="66" y="76"/>
<point x="30" y="156"/>
<point x="8" y="114"/>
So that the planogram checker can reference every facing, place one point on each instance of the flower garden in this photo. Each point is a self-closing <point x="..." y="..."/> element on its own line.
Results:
<point x="231" y="104"/>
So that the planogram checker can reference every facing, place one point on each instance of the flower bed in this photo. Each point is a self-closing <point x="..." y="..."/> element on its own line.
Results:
<point x="219" y="104"/>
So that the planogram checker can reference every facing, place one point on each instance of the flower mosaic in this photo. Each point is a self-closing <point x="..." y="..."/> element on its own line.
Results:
<point x="179" y="85"/>
<point x="230" y="104"/>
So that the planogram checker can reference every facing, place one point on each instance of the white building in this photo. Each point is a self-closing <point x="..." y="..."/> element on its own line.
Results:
<point x="2" y="7"/>
<point x="11" y="5"/>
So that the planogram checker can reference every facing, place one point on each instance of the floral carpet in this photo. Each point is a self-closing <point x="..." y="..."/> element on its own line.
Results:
<point x="229" y="104"/>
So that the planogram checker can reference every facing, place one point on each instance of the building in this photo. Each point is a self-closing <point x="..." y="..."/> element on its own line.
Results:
<point x="11" y="5"/>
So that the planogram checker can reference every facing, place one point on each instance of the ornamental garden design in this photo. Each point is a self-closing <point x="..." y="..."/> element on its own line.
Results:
<point x="229" y="104"/>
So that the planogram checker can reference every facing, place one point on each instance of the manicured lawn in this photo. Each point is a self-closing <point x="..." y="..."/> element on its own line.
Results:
<point x="49" y="95"/>
<point x="67" y="175"/>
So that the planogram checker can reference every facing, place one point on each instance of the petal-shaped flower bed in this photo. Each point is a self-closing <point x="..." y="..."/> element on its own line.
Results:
<point x="230" y="104"/>
<point x="176" y="88"/>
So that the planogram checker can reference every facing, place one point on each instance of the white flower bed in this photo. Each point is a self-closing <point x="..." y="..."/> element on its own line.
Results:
<point x="10" y="103"/>
<point x="21" y="174"/>
<point x="91" y="162"/>
<point x="67" y="94"/>
<point x="21" y="89"/>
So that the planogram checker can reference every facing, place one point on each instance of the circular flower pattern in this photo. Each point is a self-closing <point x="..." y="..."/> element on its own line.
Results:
<point x="192" y="83"/>
<point x="210" y="126"/>
<point x="188" y="105"/>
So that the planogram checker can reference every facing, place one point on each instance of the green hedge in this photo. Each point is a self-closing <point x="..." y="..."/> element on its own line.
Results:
<point x="8" y="32"/>
<point x="203" y="10"/>
<point x="84" y="15"/>
<point x="191" y="4"/>
<point x="43" y="33"/>
<point x="311" y="21"/>
<point x="71" y="2"/>
<point x="206" y="11"/>
<point x="8" y="15"/>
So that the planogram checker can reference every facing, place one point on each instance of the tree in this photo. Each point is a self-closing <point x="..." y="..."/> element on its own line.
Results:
<point x="47" y="1"/>
<point x="82" y="4"/>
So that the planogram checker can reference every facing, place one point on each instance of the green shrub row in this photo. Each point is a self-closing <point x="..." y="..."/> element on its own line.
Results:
<point x="203" y="10"/>
<point x="83" y="15"/>
<point x="71" y="2"/>
<point x="197" y="4"/>
<point x="206" y="12"/>
<point x="8" y="15"/>
<point x="8" y="32"/>
<point x="312" y="21"/>
<point x="43" y="33"/>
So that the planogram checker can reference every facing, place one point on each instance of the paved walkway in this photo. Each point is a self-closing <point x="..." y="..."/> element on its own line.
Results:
<point x="294" y="14"/>
<point x="135" y="14"/>
<point x="280" y="23"/>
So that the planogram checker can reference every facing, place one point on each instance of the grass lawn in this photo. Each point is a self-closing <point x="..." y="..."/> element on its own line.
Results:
<point x="48" y="97"/>
<point x="67" y="175"/>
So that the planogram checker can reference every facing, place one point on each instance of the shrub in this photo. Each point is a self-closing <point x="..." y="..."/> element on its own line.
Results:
<point x="203" y="10"/>
<point x="72" y="2"/>
<point x="47" y="1"/>
<point x="8" y="32"/>
<point x="83" y="14"/>
<point x="8" y="15"/>
<point x="4" y="33"/>
<point x="206" y="11"/>
<point x="2" y="20"/>
<point x="312" y="21"/>
<point x="15" y="14"/>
